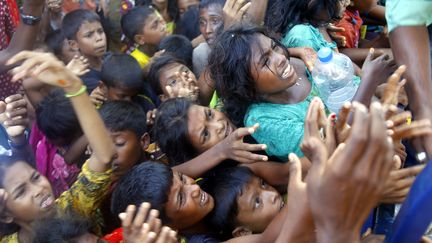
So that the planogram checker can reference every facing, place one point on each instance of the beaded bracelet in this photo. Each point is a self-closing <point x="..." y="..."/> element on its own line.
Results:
<point x="79" y="92"/>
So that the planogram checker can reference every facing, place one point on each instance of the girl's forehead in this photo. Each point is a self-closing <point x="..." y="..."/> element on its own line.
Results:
<point x="18" y="172"/>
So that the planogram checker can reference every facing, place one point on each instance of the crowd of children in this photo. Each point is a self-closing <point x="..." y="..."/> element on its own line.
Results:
<point x="200" y="121"/>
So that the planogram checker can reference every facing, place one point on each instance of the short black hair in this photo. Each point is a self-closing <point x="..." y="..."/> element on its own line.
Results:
<point x="124" y="116"/>
<point x="205" y="3"/>
<point x="73" y="21"/>
<point x="170" y="130"/>
<point x="54" y="41"/>
<point x="155" y="69"/>
<point x="121" y="70"/>
<point x="65" y="229"/>
<point x="173" y="11"/>
<point x="146" y="182"/>
<point x="188" y="25"/>
<point x="179" y="46"/>
<point x="56" y="117"/>
<point x="133" y="21"/>
<point x="225" y="187"/>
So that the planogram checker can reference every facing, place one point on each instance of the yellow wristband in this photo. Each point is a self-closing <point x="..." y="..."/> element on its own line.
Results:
<point x="79" y="92"/>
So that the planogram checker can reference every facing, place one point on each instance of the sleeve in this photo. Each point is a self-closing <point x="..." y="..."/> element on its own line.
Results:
<point x="408" y="13"/>
<point x="87" y="193"/>
<point x="299" y="36"/>
<point x="282" y="135"/>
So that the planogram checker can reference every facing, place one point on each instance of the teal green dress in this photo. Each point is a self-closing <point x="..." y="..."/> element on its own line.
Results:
<point x="281" y="125"/>
<point x="305" y="35"/>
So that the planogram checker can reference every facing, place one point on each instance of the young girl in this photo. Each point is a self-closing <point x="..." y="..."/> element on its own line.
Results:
<point x="259" y="83"/>
<point x="30" y="195"/>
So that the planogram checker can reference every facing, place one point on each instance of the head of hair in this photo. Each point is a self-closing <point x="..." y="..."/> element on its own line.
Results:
<point x="230" y="67"/>
<point x="73" y="21"/>
<point x="156" y="68"/>
<point x="146" y="182"/>
<point x="56" y="117"/>
<point x="178" y="46"/>
<point x="132" y="23"/>
<point x="171" y="130"/>
<point x="121" y="70"/>
<point x="188" y="24"/>
<point x="54" y="41"/>
<point x="122" y="115"/>
<point x="226" y="187"/>
<point x="64" y="229"/>
<point x="206" y="3"/>
<point x="287" y="13"/>
<point x="173" y="11"/>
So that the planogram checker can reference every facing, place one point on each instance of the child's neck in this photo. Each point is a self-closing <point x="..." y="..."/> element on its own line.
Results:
<point x="25" y="233"/>
<point x="149" y="50"/>
<point x="94" y="62"/>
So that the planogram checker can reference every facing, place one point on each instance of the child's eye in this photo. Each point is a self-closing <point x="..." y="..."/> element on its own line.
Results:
<point x="36" y="176"/>
<point x="257" y="203"/>
<point x="206" y="134"/>
<point x="172" y="82"/>
<point x="20" y="193"/>
<point x="209" y="113"/>
<point x="263" y="184"/>
<point x="202" y="23"/>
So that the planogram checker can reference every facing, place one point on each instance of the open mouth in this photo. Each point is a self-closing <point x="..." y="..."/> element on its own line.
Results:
<point x="47" y="202"/>
<point x="287" y="72"/>
<point x="203" y="199"/>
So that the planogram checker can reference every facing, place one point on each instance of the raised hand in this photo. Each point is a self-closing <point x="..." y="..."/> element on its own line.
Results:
<point x="78" y="65"/>
<point x="46" y="68"/>
<point x="334" y="31"/>
<point x="346" y="185"/>
<point x="188" y="87"/>
<point x="13" y="115"/>
<point x="98" y="96"/>
<point x="145" y="226"/>
<point x="151" y="116"/>
<point x="234" y="11"/>
<point x="233" y="147"/>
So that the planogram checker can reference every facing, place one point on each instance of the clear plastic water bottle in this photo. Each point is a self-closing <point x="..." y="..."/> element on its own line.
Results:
<point x="333" y="73"/>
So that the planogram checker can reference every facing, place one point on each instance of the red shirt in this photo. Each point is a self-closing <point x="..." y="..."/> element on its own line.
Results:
<point x="352" y="23"/>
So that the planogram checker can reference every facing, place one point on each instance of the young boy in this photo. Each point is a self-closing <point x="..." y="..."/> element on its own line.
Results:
<point x="122" y="79"/>
<point x="179" y="46"/>
<point x="84" y="32"/>
<point x="145" y="28"/>
<point x="171" y="78"/>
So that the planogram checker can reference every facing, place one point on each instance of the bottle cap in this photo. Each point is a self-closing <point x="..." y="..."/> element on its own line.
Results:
<point x="325" y="54"/>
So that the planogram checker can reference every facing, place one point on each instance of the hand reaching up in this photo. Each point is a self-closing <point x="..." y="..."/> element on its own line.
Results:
<point x="145" y="226"/>
<point x="46" y="68"/>
<point x="13" y="115"/>
<point x="234" y="11"/>
<point x="344" y="186"/>
<point x="78" y="65"/>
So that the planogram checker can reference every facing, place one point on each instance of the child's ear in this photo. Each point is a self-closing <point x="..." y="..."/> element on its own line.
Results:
<point x="145" y="141"/>
<point x="241" y="231"/>
<point x="73" y="44"/>
<point x="139" y="39"/>
<point x="102" y="86"/>
<point x="6" y="218"/>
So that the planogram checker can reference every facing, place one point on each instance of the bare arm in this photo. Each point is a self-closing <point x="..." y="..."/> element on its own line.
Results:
<point x="257" y="11"/>
<point x="25" y="35"/>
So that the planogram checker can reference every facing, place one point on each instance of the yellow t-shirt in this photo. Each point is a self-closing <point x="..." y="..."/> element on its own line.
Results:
<point x="84" y="196"/>
<point x="141" y="57"/>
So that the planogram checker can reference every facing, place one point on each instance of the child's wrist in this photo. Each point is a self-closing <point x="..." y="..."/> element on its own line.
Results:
<point x="74" y="88"/>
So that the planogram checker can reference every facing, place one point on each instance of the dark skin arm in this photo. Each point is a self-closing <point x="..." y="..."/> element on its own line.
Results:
<point x="24" y="36"/>
<point x="75" y="152"/>
<point x="358" y="55"/>
<point x="206" y="87"/>
<point x="419" y="84"/>
<point x="257" y="11"/>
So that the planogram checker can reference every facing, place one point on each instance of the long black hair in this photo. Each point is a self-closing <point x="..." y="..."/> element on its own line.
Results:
<point x="230" y="68"/>
<point x="286" y="13"/>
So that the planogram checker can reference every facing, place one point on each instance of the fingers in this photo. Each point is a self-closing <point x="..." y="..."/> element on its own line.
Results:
<point x="170" y="91"/>
<point x="330" y="133"/>
<point x="415" y="129"/>
<point x="127" y="217"/>
<point x="407" y="172"/>
<point x="248" y="157"/>
<point x="240" y="133"/>
<point x="3" y="199"/>
<point x="295" y="169"/>
<point x="141" y="215"/>
<point x="165" y="235"/>
<point x="370" y="56"/>
<point x="311" y="122"/>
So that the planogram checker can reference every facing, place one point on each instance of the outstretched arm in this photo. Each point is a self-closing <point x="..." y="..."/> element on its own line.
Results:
<point x="47" y="68"/>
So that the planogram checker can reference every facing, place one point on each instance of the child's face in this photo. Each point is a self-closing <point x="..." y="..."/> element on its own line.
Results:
<point x="184" y="5"/>
<point x="210" y="21"/>
<point x="154" y="30"/>
<point x="121" y="93"/>
<point x="187" y="203"/>
<point x="168" y="77"/>
<point x="258" y="204"/>
<point x="130" y="151"/>
<point x="270" y="68"/>
<point x="30" y="194"/>
<point x="68" y="53"/>
<point x="207" y="127"/>
<point x="91" y="39"/>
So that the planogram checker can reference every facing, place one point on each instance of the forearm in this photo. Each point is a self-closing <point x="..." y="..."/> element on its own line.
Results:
<point x="93" y="128"/>
<point x="206" y="88"/>
<point x="257" y="11"/>
<point x="24" y="36"/>
<point x="201" y="164"/>
<point x="274" y="173"/>
<point x="416" y="57"/>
